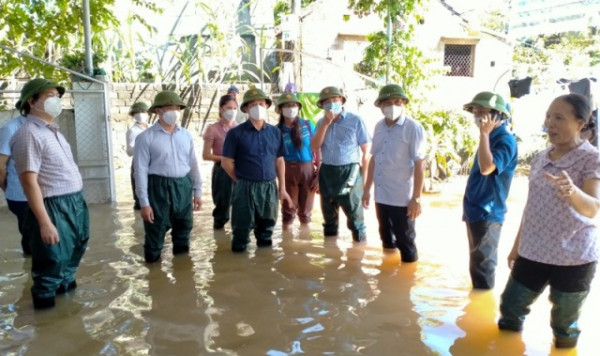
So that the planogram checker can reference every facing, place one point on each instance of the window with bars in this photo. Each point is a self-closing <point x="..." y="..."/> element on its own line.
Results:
<point x="460" y="59"/>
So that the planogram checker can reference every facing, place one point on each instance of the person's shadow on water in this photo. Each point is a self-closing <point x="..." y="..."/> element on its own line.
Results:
<point x="176" y="321"/>
<point x="482" y="336"/>
<point x="391" y="316"/>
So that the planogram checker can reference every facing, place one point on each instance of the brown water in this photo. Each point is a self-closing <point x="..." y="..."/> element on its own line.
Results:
<point x="306" y="295"/>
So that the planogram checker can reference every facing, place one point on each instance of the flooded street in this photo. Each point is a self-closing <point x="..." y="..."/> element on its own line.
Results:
<point x="305" y="295"/>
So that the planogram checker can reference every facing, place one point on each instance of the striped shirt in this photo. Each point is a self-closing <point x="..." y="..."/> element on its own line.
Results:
<point x="38" y="147"/>
<point x="169" y="155"/>
<point x="395" y="150"/>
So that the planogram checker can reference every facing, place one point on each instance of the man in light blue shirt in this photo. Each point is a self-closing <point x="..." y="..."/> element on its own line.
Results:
<point x="9" y="180"/>
<point x="167" y="179"/>
<point x="397" y="167"/>
<point x="343" y="141"/>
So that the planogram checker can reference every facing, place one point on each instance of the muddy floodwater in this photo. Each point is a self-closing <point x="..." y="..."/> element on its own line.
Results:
<point x="306" y="295"/>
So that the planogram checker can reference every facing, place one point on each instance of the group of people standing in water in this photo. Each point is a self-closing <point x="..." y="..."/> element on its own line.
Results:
<point x="260" y="168"/>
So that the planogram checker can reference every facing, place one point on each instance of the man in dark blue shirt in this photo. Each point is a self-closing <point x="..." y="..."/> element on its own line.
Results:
<point x="253" y="157"/>
<point x="484" y="203"/>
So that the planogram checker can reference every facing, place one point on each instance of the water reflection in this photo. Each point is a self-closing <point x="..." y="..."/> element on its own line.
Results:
<point x="481" y="335"/>
<point x="306" y="295"/>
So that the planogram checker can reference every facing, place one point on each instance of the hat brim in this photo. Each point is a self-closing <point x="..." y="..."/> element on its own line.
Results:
<point x="243" y="106"/>
<point x="377" y="102"/>
<point x="153" y="108"/>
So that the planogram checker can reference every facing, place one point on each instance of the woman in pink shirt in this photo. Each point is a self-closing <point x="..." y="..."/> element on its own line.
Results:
<point x="221" y="183"/>
<point x="557" y="242"/>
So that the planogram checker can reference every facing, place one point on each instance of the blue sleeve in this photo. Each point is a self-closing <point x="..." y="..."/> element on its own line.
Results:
<point x="230" y="144"/>
<point x="362" y="134"/>
<point x="504" y="151"/>
<point x="282" y="150"/>
<point x="6" y="132"/>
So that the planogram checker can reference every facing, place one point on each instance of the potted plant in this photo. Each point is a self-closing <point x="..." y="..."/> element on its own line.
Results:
<point x="76" y="62"/>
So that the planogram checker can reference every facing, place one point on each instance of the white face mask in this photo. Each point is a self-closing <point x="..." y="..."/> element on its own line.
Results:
<point x="392" y="112"/>
<point x="53" y="106"/>
<point x="258" y="112"/>
<point x="171" y="117"/>
<point x="229" y="114"/>
<point x="477" y="121"/>
<point x="141" y="117"/>
<point x="290" y="113"/>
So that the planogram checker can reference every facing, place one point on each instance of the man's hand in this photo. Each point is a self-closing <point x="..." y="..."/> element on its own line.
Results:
<point x="49" y="234"/>
<point x="413" y="209"/>
<point x="329" y="117"/>
<point x="147" y="214"/>
<point x="197" y="203"/>
<point x="488" y="124"/>
<point x="366" y="199"/>
<point x="285" y="197"/>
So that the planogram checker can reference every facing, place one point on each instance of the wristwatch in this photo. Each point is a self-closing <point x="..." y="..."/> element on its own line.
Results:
<point x="417" y="200"/>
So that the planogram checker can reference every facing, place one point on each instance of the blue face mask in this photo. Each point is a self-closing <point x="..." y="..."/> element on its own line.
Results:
<point x="335" y="106"/>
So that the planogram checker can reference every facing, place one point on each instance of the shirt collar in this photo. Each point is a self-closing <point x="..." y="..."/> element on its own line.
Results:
<point x="41" y="122"/>
<point x="568" y="159"/>
<point x="157" y="126"/>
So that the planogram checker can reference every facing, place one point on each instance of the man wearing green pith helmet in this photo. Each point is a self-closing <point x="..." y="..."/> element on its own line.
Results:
<point x="167" y="178"/>
<point x="58" y="219"/>
<point x="397" y="169"/>
<point x="343" y="140"/>
<point x="484" y="203"/>
<point x="253" y="157"/>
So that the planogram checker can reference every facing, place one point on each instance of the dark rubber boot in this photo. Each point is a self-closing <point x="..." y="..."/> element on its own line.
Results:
<point x="514" y="305"/>
<point x="566" y="308"/>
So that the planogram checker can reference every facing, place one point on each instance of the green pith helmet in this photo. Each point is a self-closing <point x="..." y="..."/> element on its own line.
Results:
<point x="138" y="106"/>
<point x="330" y="92"/>
<point x="34" y="87"/>
<point x="288" y="98"/>
<point x="166" y="98"/>
<point x="391" y="91"/>
<point x="488" y="99"/>
<point x="253" y="95"/>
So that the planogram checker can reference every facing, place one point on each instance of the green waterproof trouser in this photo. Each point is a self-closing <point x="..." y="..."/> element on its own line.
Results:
<point x="222" y="188"/>
<point x="56" y="265"/>
<point x="342" y="186"/>
<point x="254" y="207"/>
<point x="171" y="200"/>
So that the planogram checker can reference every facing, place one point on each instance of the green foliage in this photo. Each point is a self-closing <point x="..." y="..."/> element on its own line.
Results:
<point x="401" y="57"/>
<point x="283" y="7"/>
<point x="76" y="60"/>
<point x="46" y="29"/>
<point x="569" y="52"/>
<point x="451" y="143"/>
